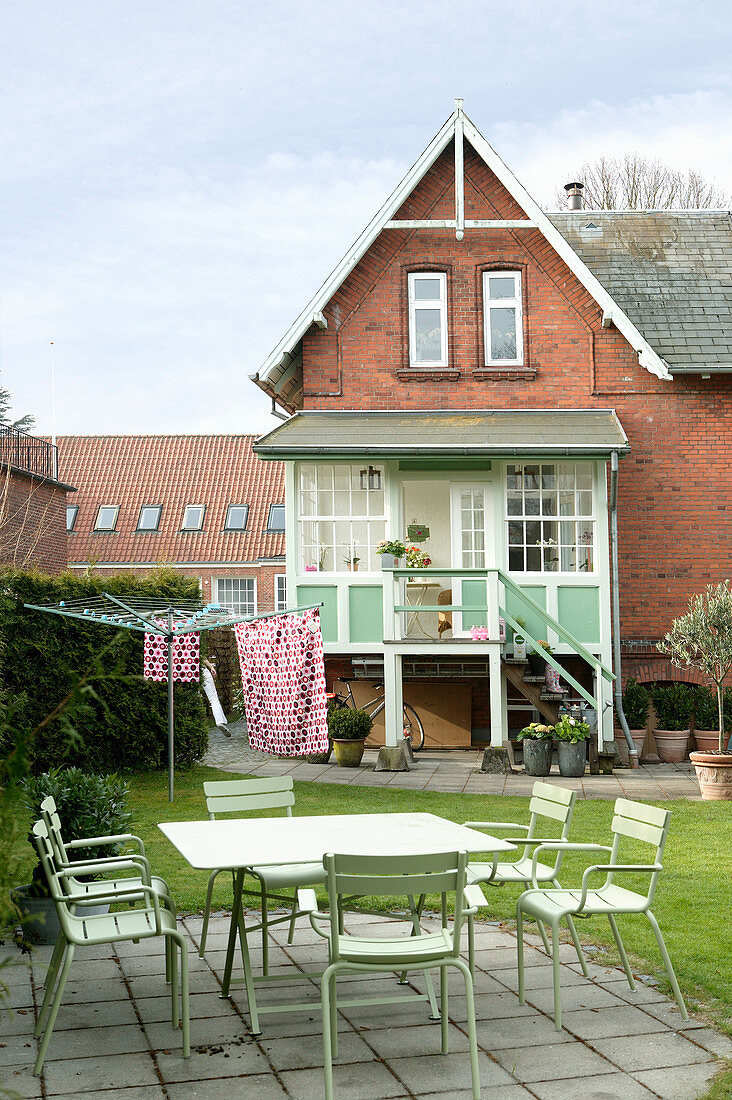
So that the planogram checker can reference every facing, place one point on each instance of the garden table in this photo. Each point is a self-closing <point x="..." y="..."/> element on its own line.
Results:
<point x="241" y="843"/>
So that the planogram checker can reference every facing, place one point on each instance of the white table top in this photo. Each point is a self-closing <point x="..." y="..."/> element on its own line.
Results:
<point x="269" y="841"/>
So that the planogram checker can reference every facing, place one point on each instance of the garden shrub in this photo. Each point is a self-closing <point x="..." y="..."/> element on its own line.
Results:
<point x="122" y="723"/>
<point x="636" y="702"/>
<point x="673" y="704"/>
<point x="706" y="709"/>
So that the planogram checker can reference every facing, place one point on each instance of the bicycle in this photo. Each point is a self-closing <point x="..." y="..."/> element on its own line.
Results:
<point x="413" y="728"/>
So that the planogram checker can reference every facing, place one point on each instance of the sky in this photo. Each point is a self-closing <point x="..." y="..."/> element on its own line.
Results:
<point x="178" y="178"/>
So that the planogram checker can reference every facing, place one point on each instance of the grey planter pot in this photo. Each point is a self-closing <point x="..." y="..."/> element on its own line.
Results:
<point x="537" y="756"/>
<point x="572" y="759"/>
<point x="388" y="561"/>
<point x="38" y="916"/>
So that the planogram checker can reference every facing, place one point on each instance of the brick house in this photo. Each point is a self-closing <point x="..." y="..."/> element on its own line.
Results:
<point x="204" y="504"/>
<point x="32" y="504"/>
<point x="510" y="380"/>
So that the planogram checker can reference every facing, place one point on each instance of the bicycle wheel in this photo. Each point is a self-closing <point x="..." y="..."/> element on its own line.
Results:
<point x="413" y="728"/>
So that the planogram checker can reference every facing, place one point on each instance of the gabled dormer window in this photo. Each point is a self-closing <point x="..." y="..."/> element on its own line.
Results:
<point x="503" y="317"/>
<point x="428" y="319"/>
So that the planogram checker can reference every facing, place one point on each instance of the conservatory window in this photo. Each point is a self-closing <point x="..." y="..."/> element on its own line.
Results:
<point x="550" y="521"/>
<point x="341" y="517"/>
<point x="428" y="319"/>
<point x="504" y="337"/>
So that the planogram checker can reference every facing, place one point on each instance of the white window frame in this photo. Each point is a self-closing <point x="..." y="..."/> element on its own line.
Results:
<point x="489" y="304"/>
<point x="186" y="526"/>
<point x="280" y="598"/>
<point x="223" y="602"/>
<point x="152" y="508"/>
<point x="276" y="530"/>
<point x="111" y="507"/>
<point x="328" y="556"/>
<point x="416" y="305"/>
<point x="576" y="517"/>
<point x="238" y="507"/>
<point x="73" y="508"/>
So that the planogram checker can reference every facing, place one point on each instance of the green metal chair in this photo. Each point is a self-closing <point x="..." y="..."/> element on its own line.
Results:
<point x="388" y="876"/>
<point x="634" y="821"/>
<point x="147" y="917"/>
<point x="549" y="807"/>
<point x="239" y="796"/>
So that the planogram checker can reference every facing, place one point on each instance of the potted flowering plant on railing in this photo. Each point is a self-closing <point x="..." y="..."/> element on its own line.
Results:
<point x="390" y="552"/>
<point x="571" y="734"/>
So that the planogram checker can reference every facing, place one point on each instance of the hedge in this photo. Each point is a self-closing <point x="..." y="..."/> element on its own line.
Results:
<point x="122" y="724"/>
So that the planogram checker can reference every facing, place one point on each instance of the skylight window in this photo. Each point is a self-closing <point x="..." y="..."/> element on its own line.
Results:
<point x="236" y="517"/>
<point x="276" y="521"/>
<point x="149" y="518"/>
<point x="193" y="517"/>
<point x="72" y="511"/>
<point x="107" y="517"/>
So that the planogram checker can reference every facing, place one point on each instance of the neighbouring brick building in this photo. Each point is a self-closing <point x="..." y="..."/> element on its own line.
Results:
<point x="203" y="504"/>
<point x="32" y="504"/>
<point x="478" y="367"/>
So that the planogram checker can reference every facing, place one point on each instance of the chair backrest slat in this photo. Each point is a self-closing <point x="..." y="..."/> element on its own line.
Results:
<point x="384" y="886"/>
<point x="639" y="811"/>
<point x="555" y="803"/>
<point x="552" y="793"/>
<point x="238" y="796"/>
<point x="248" y="786"/>
<point x="543" y="808"/>
<point x="638" y="830"/>
<point x="239" y="803"/>
<point x="641" y="822"/>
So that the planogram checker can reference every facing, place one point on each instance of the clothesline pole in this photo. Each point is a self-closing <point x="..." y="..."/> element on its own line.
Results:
<point x="171" y="745"/>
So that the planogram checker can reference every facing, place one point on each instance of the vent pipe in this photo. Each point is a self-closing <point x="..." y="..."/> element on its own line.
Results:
<point x="575" y="200"/>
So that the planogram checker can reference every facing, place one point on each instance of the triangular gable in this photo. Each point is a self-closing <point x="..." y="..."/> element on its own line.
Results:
<point x="283" y="366"/>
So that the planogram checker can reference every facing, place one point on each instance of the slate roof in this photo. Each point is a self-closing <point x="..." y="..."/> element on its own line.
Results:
<point x="458" y="432"/>
<point x="670" y="271"/>
<point x="172" y="471"/>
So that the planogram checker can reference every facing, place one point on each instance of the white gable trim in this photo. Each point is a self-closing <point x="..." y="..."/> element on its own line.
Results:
<point x="647" y="357"/>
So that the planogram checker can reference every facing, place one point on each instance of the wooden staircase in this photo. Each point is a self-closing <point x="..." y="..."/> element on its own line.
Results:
<point x="532" y="688"/>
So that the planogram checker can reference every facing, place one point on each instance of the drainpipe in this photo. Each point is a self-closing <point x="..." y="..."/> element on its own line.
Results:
<point x="618" y="689"/>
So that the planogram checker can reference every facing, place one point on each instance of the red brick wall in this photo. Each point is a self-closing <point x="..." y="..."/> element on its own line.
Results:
<point x="263" y="575"/>
<point x="32" y="522"/>
<point x="675" y="513"/>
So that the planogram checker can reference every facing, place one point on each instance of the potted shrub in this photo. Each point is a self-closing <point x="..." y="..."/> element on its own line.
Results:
<point x="571" y="734"/>
<point x="673" y="704"/>
<point x="88" y="805"/>
<point x="537" y="742"/>
<point x="537" y="664"/>
<point x="390" y="552"/>
<point x="706" y="716"/>
<point x="702" y="639"/>
<point x="348" y="730"/>
<point x="636" y="704"/>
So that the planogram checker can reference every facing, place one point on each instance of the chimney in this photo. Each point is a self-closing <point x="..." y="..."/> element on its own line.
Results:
<point x="574" y="195"/>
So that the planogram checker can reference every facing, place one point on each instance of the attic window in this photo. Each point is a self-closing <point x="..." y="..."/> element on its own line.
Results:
<point x="107" y="517"/>
<point x="72" y="511"/>
<point x="149" y="518"/>
<point x="276" y="521"/>
<point x="591" y="230"/>
<point x="504" y="334"/>
<point x="193" y="517"/>
<point x="236" y="517"/>
<point x="428" y="319"/>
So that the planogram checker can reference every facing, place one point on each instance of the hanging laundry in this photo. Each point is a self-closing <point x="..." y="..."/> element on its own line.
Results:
<point x="185" y="657"/>
<point x="283" y="681"/>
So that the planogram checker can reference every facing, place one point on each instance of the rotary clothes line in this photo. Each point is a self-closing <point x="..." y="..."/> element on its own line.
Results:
<point x="283" y="682"/>
<point x="146" y="616"/>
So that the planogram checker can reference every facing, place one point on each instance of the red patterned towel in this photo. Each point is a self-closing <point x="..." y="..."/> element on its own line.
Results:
<point x="185" y="658"/>
<point x="283" y="677"/>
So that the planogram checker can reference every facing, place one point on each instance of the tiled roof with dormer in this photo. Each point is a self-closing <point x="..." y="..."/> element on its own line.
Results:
<point x="130" y="471"/>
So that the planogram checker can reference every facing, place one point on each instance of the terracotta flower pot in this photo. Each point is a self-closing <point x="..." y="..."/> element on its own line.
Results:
<point x="714" y="772"/>
<point x="672" y="745"/>
<point x="537" y="756"/>
<point x="348" y="754"/>
<point x="706" y="740"/>
<point x="639" y="740"/>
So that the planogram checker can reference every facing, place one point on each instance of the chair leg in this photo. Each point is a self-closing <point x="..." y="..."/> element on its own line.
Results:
<point x="542" y="933"/>
<point x="471" y="945"/>
<point x="176" y="938"/>
<point x="248" y="977"/>
<point x="207" y="914"/>
<point x="444" y="1009"/>
<point x="174" y="974"/>
<point x="520" y="952"/>
<point x="472" y="1030"/>
<point x="577" y="945"/>
<point x="621" y="951"/>
<point x="667" y="963"/>
<point x="293" y="918"/>
<point x="54" y="1010"/>
<point x="265" y="931"/>
<point x="50" y="982"/>
<point x="325" y="988"/>
<point x="333" y="1017"/>
<point x="556" y="976"/>
<point x="56" y="957"/>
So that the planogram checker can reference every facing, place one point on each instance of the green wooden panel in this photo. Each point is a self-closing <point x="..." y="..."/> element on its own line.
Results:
<point x="474" y="592"/>
<point x="327" y="594"/>
<point x="444" y="462"/>
<point x="365" y="613"/>
<point x="535" y="626"/>
<point x="579" y="611"/>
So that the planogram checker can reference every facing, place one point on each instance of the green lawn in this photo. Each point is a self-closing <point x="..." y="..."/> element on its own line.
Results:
<point x="693" y="903"/>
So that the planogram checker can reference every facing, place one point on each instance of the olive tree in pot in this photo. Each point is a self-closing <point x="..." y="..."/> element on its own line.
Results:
<point x="88" y="806"/>
<point x="571" y="734"/>
<point x="537" y="742"/>
<point x="673" y="704"/>
<point x="636" y="704"/>
<point x="348" y="729"/>
<point x="702" y="639"/>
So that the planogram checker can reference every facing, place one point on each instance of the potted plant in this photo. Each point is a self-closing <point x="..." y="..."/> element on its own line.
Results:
<point x="537" y="664"/>
<point x="636" y="704"/>
<point x="348" y="729"/>
<point x="571" y="734"/>
<point x="706" y="734"/>
<point x="352" y="564"/>
<point x="537" y="740"/>
<point x="672" y="703"/>
<point x="390" y="552"/>
<point x="88" y="805"/>
<point x="702" y="639"/>
<point x="519" y="642"/>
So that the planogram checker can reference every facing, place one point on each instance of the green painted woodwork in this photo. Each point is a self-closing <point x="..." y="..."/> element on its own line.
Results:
<point x="534" y="624"/>
<point x="327" y="594"/>
<point x="444" y="463"/>
<point x="579" y="612"/>
<point x="365" y="613"/>
<point x="475" y="592"/>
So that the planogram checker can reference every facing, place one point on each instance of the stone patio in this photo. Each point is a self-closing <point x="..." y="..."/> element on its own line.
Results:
<point x="113" y="1036"/>
<point x="456" y="770"/>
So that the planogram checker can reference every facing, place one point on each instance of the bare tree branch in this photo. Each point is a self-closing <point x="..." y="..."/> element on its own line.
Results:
<point x="634" y="182"/>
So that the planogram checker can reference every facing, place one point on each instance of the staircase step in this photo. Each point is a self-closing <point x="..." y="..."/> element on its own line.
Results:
<point x="554" y="696"/>
<point x="515" y="661"/>
<point x="534" y="679"/>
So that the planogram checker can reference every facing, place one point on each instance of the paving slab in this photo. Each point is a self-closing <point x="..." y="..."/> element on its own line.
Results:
<point x="658" y="1051"/>
<point x="604" y="1086"/>
<point x="679" y="1083"/>
<point x="550" y="1061"/>
<point x="79" y="1075"/>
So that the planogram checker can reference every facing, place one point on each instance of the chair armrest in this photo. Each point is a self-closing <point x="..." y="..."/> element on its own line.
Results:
<point x="561" y="846"/>
<point x="475" y="899"/>
<point x="73" y="870"/>
<point x="494" y="825"/>
<point x="645" y="868"/>
<point x="115" y="896"/>
<point x="99" y="841"/>
<point x="103" y="863"/>
<point x="307" y="903"/>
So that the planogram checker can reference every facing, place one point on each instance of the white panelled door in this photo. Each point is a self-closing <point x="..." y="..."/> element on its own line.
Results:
<point x="468" y="512"/>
